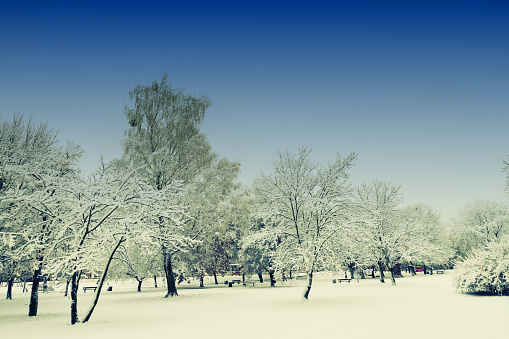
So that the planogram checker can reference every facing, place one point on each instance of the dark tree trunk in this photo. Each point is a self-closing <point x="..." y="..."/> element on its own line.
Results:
<point x="272" y="280"/>
<point x="308" y="286"/>
<point x="412" y="269"/>
<point x="34" y="296"/>
<point x="67" y="287"/>
<point x="373" y="272"/>
<point x="10" y="282"/>
<point x="75" y="282"/>
<point x="352" y="271"/>
<point x="424" y="267"/>
<point x="215" y="277"/>
<point x="201" y="281"/>
<point x="101" y="282"/>
<point x="260" y="277"/>
<point x="155" y="281"/>
<point x="170" y="279"/>
<point x="397" y="271"/>
<point x="380" y="266"/>
<point x="139" y="284"/>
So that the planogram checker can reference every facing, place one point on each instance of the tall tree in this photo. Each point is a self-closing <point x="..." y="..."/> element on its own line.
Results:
<point x="164" y="143"/>
<point x="308" y="203"/>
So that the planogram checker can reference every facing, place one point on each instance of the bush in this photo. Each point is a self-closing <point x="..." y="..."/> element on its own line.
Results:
<point x="485" y="270"/>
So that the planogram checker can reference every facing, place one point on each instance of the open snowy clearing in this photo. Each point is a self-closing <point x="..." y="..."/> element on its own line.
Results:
<point x="419" y="307"/>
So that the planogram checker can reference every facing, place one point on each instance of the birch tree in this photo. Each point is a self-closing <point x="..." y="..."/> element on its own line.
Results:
<point x="308" y="204"/>
<point x="164" y="143"/>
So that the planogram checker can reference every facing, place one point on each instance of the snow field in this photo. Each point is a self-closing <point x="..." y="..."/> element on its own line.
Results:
<point x="418" y="307"/>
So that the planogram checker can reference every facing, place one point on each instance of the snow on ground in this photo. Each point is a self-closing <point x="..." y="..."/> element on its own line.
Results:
<point x="418" y="307"/>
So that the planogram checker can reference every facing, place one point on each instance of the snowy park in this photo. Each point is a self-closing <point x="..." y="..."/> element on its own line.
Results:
<point x="246" y="169"/>
<point x="422" y="306"/>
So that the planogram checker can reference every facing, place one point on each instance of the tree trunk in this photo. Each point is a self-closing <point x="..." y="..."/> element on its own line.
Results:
<point x="352" y="272"/>
<point x="260" y="277"/>
<point x="272" y="280"/>
<point x="67" y="286"/>
<point x="101" y="282"/>
<point x="215" y="277"/>
<point x="201" y="281"/>
<point x="10" y="282"/>
<point x="308" y="286"/>
<point x="139" y="284"/>
<point x="393" y="278"/>
<point x="424" y="267"/>
<point x="170" y="279"/>
<point x="155" y="281"/>
<point x="34" y="296"/>
<point x="380" y="266"/>
<point x="75" y="282"/>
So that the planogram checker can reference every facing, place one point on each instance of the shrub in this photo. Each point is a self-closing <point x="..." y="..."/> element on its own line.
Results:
<point x="484" y="270"/>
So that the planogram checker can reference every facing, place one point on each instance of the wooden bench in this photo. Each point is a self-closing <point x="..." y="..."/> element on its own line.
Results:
<point x="439" y="271"/>
<point x="236" y="281"/>
<point x="89" y="288"/>
<point x="344" y="279"/>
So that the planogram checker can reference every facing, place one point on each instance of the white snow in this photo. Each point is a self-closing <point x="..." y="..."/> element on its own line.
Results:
<point x="418" y="307"/>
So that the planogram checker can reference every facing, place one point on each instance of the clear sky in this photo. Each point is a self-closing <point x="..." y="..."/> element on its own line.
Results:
<point x="419" y="89"/>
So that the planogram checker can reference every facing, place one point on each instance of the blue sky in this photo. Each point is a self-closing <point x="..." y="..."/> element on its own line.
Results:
<point x="419" y="89"/>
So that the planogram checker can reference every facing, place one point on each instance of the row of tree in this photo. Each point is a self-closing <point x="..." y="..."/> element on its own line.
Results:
<point x="171" y="203"/>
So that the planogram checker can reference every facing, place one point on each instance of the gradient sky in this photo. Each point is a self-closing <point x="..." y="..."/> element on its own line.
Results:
<point x="419" y="89"/>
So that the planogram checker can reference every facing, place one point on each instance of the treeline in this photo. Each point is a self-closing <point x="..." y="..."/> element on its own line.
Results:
<point x="170" y="203"/>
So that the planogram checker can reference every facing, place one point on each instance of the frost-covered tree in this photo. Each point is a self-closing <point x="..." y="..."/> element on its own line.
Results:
<point x="219" y="209"/>
<point x="478" y="223"/>
<point x="308" y="204"/>
<point x="393" y="234"/>
<point x="164" y="143"/>
<point x="378" y="205"/>
<point x="31" y="162"/>
<point x="426" y="237"/>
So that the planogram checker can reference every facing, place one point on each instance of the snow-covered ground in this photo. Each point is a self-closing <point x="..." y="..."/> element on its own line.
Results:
<point x="419" y="307"/>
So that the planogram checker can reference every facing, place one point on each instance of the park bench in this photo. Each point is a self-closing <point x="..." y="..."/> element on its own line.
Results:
<point x="236" y="281"/>
<point x="89" y="288"/>
<point x="439" y="271"/>
<point x="344" y="279"/>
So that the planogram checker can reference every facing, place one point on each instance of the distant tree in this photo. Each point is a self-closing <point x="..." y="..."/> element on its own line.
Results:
<point x="165" y="145"/>
<point x="479" y="223"/>
<point x="378" y="203"/>
<point x="307" y="203"/>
